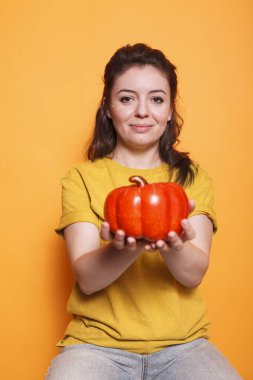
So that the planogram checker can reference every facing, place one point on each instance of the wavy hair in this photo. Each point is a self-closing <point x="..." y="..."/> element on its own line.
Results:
<point x="105" y="138"/>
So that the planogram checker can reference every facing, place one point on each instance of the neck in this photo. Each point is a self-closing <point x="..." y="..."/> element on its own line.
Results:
<point x="142" y="159"/>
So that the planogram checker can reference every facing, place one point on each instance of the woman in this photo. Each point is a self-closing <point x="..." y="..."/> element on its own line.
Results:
<point x="137" y="311"/>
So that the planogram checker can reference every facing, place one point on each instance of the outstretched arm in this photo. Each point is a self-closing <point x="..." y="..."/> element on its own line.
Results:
<point x="187" y="255"/>
<point x="97" y="267"/>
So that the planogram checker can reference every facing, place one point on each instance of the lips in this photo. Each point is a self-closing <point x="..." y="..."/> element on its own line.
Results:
<point x="142" y="128"/>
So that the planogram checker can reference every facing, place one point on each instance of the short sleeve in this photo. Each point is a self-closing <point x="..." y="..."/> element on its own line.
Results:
<point x="75" y="202"/>
<point x="202" y="192"/>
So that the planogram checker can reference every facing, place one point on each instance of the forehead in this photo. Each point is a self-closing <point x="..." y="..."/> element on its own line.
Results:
<point x="142" y="77"/>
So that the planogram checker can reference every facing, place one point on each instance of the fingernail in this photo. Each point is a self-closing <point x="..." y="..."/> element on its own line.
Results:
<point x="159" y="244"/>
<point x="172" y="234"/>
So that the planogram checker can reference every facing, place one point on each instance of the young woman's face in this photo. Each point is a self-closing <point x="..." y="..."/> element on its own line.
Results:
<point x="140" y="106"/>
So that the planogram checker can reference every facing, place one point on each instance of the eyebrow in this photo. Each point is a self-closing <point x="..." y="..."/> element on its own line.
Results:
<point x="132" y="91"/>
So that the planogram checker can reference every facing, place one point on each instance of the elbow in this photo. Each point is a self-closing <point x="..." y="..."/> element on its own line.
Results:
<point x="86" y="286"/>
<point x="85" y="289"/>
<point x="193" y="282"/>
<point x="82" y="280"/>
<point x="194" y="279"/>
<point x="87" y="292"/>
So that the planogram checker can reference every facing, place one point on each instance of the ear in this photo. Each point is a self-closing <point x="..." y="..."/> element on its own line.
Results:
<point x="108" y="113"/>
<point x="170" y="114"/>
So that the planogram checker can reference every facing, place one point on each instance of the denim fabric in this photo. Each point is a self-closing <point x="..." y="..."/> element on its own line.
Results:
<point x="197" y="360"/>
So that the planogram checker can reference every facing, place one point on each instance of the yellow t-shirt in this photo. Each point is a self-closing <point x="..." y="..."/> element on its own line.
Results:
<point x="145" y="309"/>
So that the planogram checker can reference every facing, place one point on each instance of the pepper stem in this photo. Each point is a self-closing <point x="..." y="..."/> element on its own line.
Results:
<point x="138" y="180"/>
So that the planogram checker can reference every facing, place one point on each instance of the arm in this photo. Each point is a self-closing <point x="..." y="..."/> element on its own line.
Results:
<point x="187" y="255"/>
<point x="96" y="267"/>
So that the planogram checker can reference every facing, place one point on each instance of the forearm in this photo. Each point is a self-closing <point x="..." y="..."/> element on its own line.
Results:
<point x="187" y="265"/>
<point x="97" y="269"/>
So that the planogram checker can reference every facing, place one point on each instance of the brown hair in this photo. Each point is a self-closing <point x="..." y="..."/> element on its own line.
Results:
<point x="104" y="139"/>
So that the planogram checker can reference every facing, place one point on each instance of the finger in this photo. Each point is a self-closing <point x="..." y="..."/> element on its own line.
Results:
<point x="150" y="246"/>
<point x="131" y="243"/>
<point x="192" y="205"/>
<point x="105" y="232"/>
<point x="175" y="241"/>
<point x="162" y="246"/>
<point x="119" y="239"/>
<point x="188" y="231"/>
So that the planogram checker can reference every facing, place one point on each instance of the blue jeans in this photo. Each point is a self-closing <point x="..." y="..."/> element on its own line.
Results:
<point x="197" y="360"/>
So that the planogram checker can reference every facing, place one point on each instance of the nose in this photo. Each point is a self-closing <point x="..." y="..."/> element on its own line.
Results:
<point x="142" y="110"/>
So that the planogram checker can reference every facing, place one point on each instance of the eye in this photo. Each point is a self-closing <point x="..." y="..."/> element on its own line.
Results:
<point x="125" y="99"/>
<point x="157" y="99"/>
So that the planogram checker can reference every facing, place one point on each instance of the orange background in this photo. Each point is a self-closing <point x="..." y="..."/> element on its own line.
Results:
<point x="52" y="59"/>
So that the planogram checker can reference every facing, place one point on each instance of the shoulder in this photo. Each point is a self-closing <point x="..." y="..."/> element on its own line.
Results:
<point x="85" y="165"/>
<point x="202" y="188"/>
<point x="201" y="177"/>
<point x="202" y="192"/>
<point x="84" y="169"/>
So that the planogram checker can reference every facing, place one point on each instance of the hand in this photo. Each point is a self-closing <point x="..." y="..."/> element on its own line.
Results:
<point x="119" y="240"/>
<point x="175" y="241"/>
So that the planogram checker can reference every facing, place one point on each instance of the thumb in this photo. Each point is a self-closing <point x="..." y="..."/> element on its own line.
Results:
<point x="192" y="205"/>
